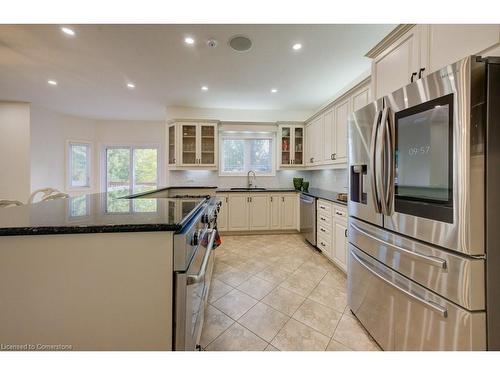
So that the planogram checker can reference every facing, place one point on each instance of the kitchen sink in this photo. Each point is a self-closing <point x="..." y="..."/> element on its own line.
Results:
<point x="248" y="189"/>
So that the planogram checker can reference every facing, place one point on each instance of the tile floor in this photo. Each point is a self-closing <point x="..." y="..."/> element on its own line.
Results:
<point x="275" y="292"/>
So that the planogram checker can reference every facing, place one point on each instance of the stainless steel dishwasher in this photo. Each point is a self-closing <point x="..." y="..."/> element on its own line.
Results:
<point x="308" y="218"/>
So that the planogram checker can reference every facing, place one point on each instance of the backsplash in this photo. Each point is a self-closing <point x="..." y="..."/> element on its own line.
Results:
<point x="331" y="179"/>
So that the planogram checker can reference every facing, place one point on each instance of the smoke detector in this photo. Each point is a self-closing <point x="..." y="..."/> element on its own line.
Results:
<point x="240" y="43"/>
<point x="212" y="43"/>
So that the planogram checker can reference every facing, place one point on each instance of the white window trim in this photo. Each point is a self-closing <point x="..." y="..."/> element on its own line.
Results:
<point x="102" y="160"/>
<point x="90" y="168"/>
<point x="246" y="135"/>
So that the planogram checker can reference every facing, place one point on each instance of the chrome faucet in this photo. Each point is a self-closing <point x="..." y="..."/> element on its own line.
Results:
<point x="251" y="184"/>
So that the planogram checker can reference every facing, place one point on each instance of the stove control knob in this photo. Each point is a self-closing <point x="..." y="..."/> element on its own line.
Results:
<point x="194" y="239"/>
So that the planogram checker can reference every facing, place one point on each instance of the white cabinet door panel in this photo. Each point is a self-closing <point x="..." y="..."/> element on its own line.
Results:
<point x="340" y="243"/>
<point x="275" y="212"/>
<point x="341" y="116"/>
<point x="222" y="215"/>
<point x="259" y="211"/>
<point x="238" y="212"/>
<point x="288" y="211"/>
<point x="328" y="136"/>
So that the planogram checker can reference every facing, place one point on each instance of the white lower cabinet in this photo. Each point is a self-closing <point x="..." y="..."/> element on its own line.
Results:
<point x="275" y="212"/>
<point x="222" y="215"/>
<point x="257" y="211"/>
<point x="332" y="232"/>
<point x="237" y="217"/>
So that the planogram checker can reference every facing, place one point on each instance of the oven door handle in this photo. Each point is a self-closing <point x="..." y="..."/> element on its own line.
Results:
<point x="437" y="262"/>
<point x="200" y="276"/>
<point x="430" y="304"/>
<point x="373" y="163"/>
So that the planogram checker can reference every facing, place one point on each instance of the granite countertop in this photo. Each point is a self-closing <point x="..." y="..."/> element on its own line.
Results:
<point x="324" y="194"/>
<point x="95" y="213"/>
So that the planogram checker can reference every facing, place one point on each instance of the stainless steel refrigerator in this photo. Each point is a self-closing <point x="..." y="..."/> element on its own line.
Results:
<point x="424" y="221"/>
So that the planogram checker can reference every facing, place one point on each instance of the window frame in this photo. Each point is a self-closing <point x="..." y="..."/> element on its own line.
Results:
<point x="69" y="159"/>
<point x="247" y="135"/>
<point x="103" y="161"/>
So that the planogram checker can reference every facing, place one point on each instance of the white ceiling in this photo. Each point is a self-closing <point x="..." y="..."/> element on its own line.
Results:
<point x="93" y="67"/>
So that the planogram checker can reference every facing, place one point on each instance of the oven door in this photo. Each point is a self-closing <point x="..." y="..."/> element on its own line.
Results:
<point x="192" y="289"/>
<point x="433" y="163"/>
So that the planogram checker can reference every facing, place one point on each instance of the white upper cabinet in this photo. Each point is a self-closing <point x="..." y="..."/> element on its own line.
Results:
<point x="449" y="43"/>
<point x="398" y="64"/>
<point x="361" y="97"/>
<point x="192" y="145"/>
<point x="315" y="142"/>
<point x="329" y="135"/>
<point x="291" y="146"/>
<point x="342" y="111"/>
<point x="412" y="51"/>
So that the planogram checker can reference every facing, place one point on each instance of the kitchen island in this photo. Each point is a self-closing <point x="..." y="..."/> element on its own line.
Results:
<point x="90" y="273"/>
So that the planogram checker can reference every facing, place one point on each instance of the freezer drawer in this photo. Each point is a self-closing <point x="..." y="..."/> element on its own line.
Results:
<point x="402" y="315"/>
<point x="455" y="277"/>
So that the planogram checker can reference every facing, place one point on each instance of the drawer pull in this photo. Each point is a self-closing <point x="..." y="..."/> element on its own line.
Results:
<point x="441" y="263"/>
<point x="321" y="229"/>
<point x="322" y="207"/>
<point x="430" y="304"/>
<point x="322" y="243"/>
<point x="339" y="213"/>
<point x="322" y="218"/>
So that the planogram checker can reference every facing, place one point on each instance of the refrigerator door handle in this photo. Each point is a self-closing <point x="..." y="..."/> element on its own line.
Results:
<point x="430" y="304"/>
<point x="373" y="162"/>
<point x="388" y="162"/>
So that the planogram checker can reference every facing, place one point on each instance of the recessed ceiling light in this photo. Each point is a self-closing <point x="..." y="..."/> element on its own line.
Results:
<point x="274" y="91"/>
<point x="130" y="85"/>
<point x="204" y="88"/>
<point x="297" y="46"/>
<point x="68" y="31"/>
<point x="189" y="40"/>
<point x="52" y="82"/>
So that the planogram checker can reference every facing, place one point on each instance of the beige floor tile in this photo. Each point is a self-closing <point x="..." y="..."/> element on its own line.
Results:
<point x="318" y="316"/>
<point x="297" y="336"/>
<point x="335" y="279"/>
<point x="237" y="338"/>
<point x="335" y="346"/>
<point x="215" y="323"/>
<point x="284" y="300"/>
<point x="257" y="288"/>
<point x="270" y="348"/>
<point x="233" y="276"/>
<point x="273" y="274"/>
<point x="299" y="284"/>
<point x="264" y="321"/>
<point x="310" y="271"/>
<point x="235" y="304"/>
<point x="328" y="296"/>
<point x="217" y="290"/>
<point x="351" y="333"/>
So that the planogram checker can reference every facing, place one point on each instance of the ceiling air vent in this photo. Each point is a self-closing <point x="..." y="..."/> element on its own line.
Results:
<point x="240" y="43"/>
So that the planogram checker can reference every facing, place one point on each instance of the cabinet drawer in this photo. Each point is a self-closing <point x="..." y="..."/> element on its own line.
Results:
<point x="324" y="243"/>
<point x="324" y="230"/>
<point x="340" y="213"/>
<point x="324" y="220"/>
<point x="324" y="208"/>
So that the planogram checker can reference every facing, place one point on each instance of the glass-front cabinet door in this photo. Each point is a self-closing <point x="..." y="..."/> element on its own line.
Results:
<point x="207" y="148"/>
<point x="171" y="144"/>
<point x="189" y="144"/>
<point x="291" y="145"/>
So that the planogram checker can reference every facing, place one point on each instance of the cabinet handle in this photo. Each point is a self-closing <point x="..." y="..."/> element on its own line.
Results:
<point x="322" y="207"/>
<point x="334" y="156"/>
<point x="420" y="72"/>
<point x="345" y="233"/>
<point x="283" y="199"/>
<point x="322" y="218"/>
<point x="322" y="243"/>
<point x="413" y="75"/>
<point x="339" y="213"/>
<point x="321" y="229"/>
<point x="250" y="199"/>
<point x="312" y="160"/>
<point x="226" y="199"/>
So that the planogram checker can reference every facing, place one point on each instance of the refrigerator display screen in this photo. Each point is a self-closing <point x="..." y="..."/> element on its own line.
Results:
<point x="424" y="162"/>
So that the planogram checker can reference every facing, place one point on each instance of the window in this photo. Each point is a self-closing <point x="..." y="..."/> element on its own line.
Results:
<point x="78" y="165"/>
<point x="243" y="152"/>
<point x="130" y="170"/>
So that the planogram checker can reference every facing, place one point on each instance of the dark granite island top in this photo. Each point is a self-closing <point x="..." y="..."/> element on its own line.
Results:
<point x="96" y="213"/>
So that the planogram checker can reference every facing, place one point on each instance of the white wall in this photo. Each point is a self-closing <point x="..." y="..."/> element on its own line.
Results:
<point x="51" y="130"/>
<point x="14" y="151"/>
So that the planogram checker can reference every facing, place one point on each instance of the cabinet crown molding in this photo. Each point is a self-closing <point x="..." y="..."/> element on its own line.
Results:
<point x="389" y="39"/>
